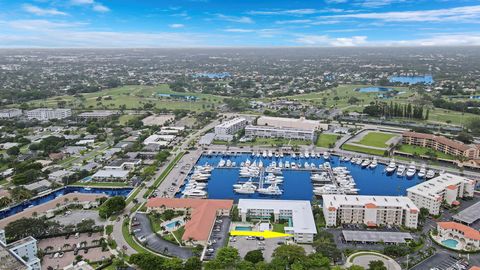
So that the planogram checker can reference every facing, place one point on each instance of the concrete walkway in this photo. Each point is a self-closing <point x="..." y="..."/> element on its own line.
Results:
<point x="364" y="258"/>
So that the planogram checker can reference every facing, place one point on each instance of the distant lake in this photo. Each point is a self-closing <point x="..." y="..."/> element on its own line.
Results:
<point x="426" y="79"/>
<point x="212" y="75"/>
<point x="373" y="89"/>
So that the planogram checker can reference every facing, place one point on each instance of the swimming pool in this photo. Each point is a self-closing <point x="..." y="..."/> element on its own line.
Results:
<point x="59" y="192"/>
<point x="297" y="184"/>
<point x="172" y="225"/>
<point x="243" y="228"/>
<point x="427" y="79"/>
<point x="450" y="243"/>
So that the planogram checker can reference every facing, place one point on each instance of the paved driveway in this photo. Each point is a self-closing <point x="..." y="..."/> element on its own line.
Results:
<point x="158" y="244"/>
<point x="219" y="238"/>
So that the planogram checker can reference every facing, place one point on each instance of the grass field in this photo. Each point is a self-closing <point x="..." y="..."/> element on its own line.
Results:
<point x="124" y="119"/>
<point x="326" y="140"/>
<point x="133" y="97"/>
<point x="338" y="97"/>
<point x="423" y="151"/>
<point x="376" y="139"/>
<point x="354" y="148"/>
<point x="179" y="233"/>
<point x="129" y="238"/>
<point x="279" y="227"/>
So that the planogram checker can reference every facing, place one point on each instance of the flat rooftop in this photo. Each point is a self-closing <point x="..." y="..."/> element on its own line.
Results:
<point x="376" y="236"/>
<point x="9" y="261"/>
<point x="111" y="173"/>
<point x="302" y="216"/>
<point x="432" y="188"/>
<point x="368" y="201"/>
<point x="469" y="215"/>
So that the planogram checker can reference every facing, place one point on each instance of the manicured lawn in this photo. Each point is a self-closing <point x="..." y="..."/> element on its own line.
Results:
<point x="179" y="233"/>
<point x="354" y="148"/>
<point x="123" y="120"/>
<point x="376" y="139"/>
<point x="109" y="229"/>
<point x="279" y="227"/>
<point x="129" y="239"/>
<point x="100" y="184"/>
<point x="423" y="151"/>
<point x="327" y="140"/>
<point x="133" y="195"/>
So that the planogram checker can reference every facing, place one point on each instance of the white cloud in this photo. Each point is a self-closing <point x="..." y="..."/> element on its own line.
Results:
<point x="236" y="19"/>
<point x="306" y="21"/>
<point x="379" y="3"/>
<point x="96" y="6"/>
<point x="100" y="8"/>
<point x="305" y="11"/>
<point x="335" y="1"/>
<point x="176" y="25"/>
<point x="39" y="25"/>
<point x="42" y="11"/>
<point x="457" y="14"/>
<point x="239" y="30"/>
<point x="327" y="41"/>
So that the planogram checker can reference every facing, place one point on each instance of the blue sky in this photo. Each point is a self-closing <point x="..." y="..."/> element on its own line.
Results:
<point x="232" y="23"/>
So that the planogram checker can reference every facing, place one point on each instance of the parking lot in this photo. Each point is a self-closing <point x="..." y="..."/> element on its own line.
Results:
<point x="442" y="261"/>
<point x="76" y="216"/>
<point x="59" y="259"/>
<point x="218" y="238"/>
<point x="245" y="244"/>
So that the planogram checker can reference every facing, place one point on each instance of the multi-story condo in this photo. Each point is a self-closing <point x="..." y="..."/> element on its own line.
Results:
<point x="231" y="127"/>
<point x="469" y="238"/>
<point x="275" y="132"/>
<point x="10" y="113"/>
<point x="302" y="225"/>
<point x="99" y="114"/>
<point x="282" y="122"/>
<point x="446" y="188"/>
<point x="442" y="144"/>
<point x="372" y="211"/>
<point x="21" y="255"/>
<point x="45" y="114"/>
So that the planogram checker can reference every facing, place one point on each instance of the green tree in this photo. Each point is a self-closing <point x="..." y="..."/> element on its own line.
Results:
<point x="286" y="255"/>
<point x="254" y="256"/>
<point x="111" y="206"/>
<point x="193" y="263"/>
<point x="13" y="151"/>
<point x="376" y="265"/>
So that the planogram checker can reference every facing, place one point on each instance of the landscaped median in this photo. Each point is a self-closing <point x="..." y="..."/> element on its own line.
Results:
<point x="363" y="258"/>
<point x="163" y="175"/>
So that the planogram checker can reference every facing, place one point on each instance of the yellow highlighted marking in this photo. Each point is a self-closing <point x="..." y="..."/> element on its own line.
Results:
<point x="265" y="234"/>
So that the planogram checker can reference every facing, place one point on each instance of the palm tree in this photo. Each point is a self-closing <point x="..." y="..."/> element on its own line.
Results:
<point x="66" y="200"/>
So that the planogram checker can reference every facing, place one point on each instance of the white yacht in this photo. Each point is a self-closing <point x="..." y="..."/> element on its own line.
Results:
<point x="270" y="190"/>
<point x="281" y="154"/>
<point x="195" y="193"/>
<point x="228" y="163"/>
<point x="391" y="166"/>
<point x="260" y="164"/>
<point x="270" y="154"/>
<point x="293" y="165"/>
<point x="319" y="178"/>
<point x="287" y="164"/>
<point x="401" y="170"/>
<point x="326" y="155"/>
<point x="365" y="163"/>
<point x="347" y="159"/>
<point x="313" y="166"/>
<point x="430" y="174"/>
<point x="280" y="164"/>
<point x="374" y="163"/>
<point x="327" y="165"/>
<point x="411" y="170"/>
<point x="248" y="162"/>
<point x="359" y="161"/>
<point x="294" y="155"/>
<point x="306" y="165"/>
<point x="264" y="154"/>
<point x="307" y="155"/>
<point x="221" y="163"/>
<point x="277" y="155"/>
<point x="423" y="171"/>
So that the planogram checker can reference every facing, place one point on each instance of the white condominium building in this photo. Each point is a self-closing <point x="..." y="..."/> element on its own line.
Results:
<point x="10" y="113"/>
<point x="231" y="127"/>
<point x="297" y="213"/>
<point x="45" y="114"/>
<point x="372" y="211"/>
<point x="444" y="188"/>
<point x="275" y="132"/>
<point x="283" y="122"/>
<point x="21" y="255"/>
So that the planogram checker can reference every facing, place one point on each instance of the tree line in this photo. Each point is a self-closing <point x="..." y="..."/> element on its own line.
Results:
<point x="389" y="110"/>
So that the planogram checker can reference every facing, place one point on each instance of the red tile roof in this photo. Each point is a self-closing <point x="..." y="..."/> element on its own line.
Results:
<point x="467" y="231"/>
<point x="370" y="205"/>
<point x="439" y="139"/>
<point x="475" y="268"/>
<point x="452" y="187"/>
<point x="203" y="214"/>
<point x="331" y="208"/>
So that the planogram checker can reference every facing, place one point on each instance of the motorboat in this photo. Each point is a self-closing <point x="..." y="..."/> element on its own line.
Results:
<point x="195" y="193"/>
<point x="248" y="162"/>
<point x="374" y="163"/>
<point x="293" y="165"/>
<point x="365" y="163"/>
<point x="264" y="154"/>
<point x="327" y="189"/>
<point x="412" y="169"/>
<point x="401" y="170"/>
<point x="281" y="154"/>
<point x="430" y="174"/>
<point x="277" y="155"/>
<point x="221" y="163"/>
<point x="307" y="155"/>
<point x="270" y="190"/>
<point x="280" y="164"/>
<point x="392" y="166"/>
<point x="423" y="171"/>
<point x="260" y="164"/>
<point x="306" y="165"/>
<point x="359" y="161"/>
<point x="270" y="154"/>
<point x="313" y="166"/>
<point x="327" y="165"/>
<point x="326" y="155"/>
<point x="228" y="163"/>
<point x="245" y="188"/>
<point x="347" y="159"/>
<point x="319" y="178"/>
<point x="287" y="164"/>
<point x="294" y="155"/>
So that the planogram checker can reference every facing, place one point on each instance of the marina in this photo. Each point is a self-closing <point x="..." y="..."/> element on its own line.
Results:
<point x="296" y="176"/>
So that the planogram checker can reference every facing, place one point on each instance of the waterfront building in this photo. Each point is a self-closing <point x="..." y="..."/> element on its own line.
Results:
<point x="442" y="144"/>
<point x="466" y="237"/>
<point x="203" y="214"/>
<point x="110" y="175"/>
<point x="275" y="132"/>
<point x="372" y="211"/>
<point x="19" y="255"/>
<point x="45" y="114"/>
<point x="294" y="123"/>
<point x="10" y="113"/>
<point x="446" y="188"/>
<point x="227" y="129"/>
<point x="297" y="213"/>
<point x="98" y="114"/>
